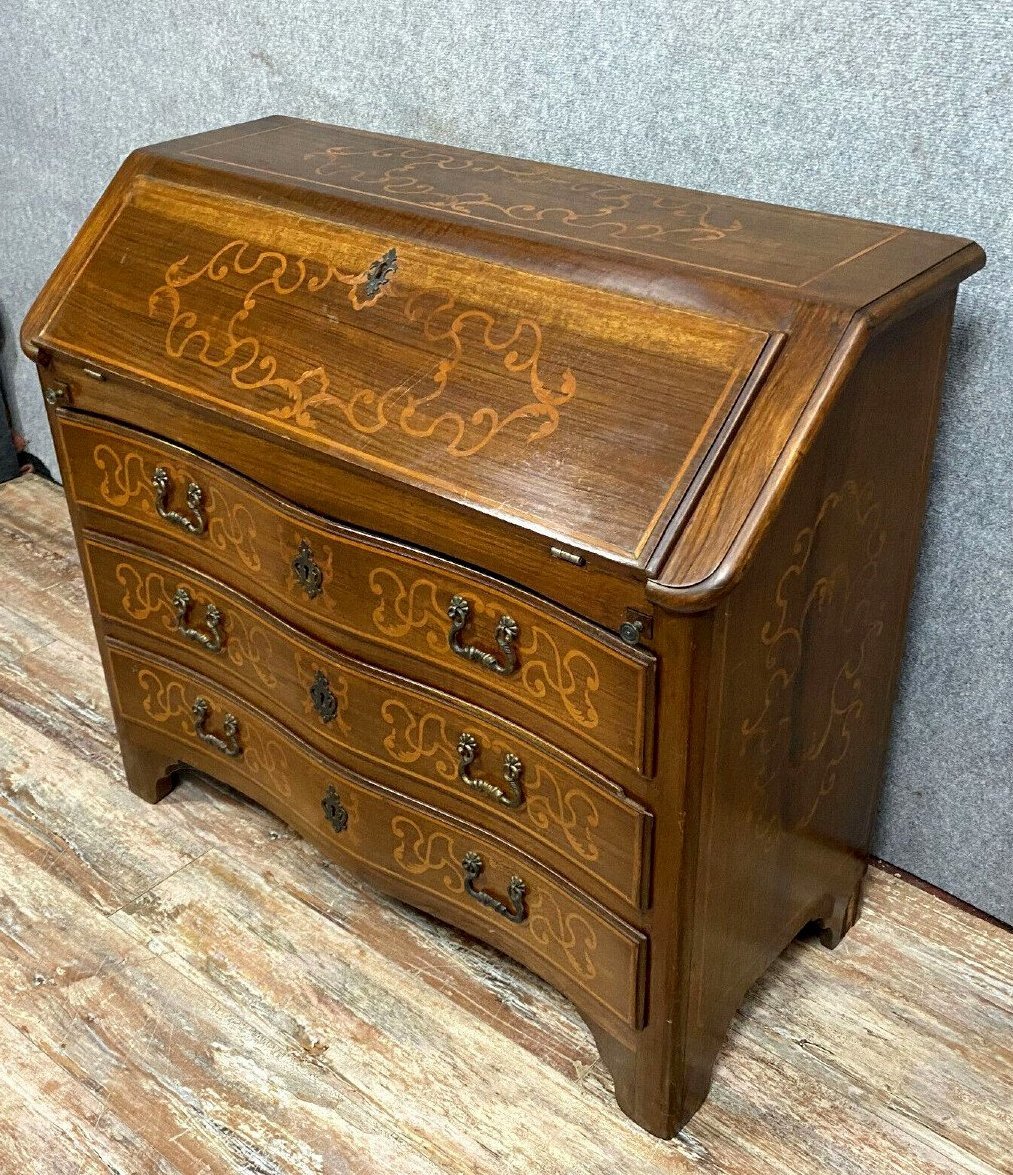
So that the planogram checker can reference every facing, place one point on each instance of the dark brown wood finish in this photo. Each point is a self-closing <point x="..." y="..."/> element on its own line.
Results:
<point x="399" y="373"/>
<point x="564" y="935"/>
<point x="376" y="597"/>
<point x="377" y="722"/>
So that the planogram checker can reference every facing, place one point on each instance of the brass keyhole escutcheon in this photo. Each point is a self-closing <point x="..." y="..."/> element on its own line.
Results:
<point x="380" y="273"/>
<point x="322" y="697"/>
<point x="307" y="571"/>
<point x="334" y="810"/>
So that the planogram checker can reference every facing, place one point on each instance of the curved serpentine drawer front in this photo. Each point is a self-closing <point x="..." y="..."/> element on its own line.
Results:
<point x="380" y="724"/>
<point x="503" y="648"/>
<point x="450" y="868"/>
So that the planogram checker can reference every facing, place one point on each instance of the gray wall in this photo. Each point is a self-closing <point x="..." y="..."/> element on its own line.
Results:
<point x="897" y="112"/>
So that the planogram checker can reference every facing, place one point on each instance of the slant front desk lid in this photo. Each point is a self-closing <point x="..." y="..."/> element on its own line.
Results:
<point x="569" y="354"/>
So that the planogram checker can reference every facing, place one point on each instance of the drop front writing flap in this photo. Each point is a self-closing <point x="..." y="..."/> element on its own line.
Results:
<point x="574" y="411"/>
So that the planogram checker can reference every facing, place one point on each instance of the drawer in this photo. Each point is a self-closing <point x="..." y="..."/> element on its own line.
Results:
<point x="459" y="629"/>
<point x="457" y="872"/>
<point x="380" y="724"/>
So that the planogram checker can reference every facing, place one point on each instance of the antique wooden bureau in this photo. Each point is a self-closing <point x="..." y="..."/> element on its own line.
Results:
<point x="535" y="542"/>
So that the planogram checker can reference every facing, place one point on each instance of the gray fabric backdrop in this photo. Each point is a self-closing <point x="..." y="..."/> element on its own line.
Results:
<point x="876" y="109"/>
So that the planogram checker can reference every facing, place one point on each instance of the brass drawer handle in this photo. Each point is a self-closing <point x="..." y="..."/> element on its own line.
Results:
<point x="229" y="744"/>
<point x="307" y="572"/>
<point x="513" y="770"/>
<point x="516" y="911"/>
<point x="162" y="484"/>
<point x="334" y="810"/>
<point x="210" y="640"/>
<point x="322" y="697"/>
<point x="506" y="634"/>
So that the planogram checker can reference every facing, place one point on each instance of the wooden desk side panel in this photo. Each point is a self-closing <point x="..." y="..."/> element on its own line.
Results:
<point x="806" y="652"/>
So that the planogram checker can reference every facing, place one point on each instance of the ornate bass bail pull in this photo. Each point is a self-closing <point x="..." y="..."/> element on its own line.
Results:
<point x="228" y="741"/>
<point x="210" y="640"/>
<point x="162" y="484"/>
<point x="506" y="635"/>
<point x="307" y="571"/>
<point x="516" y="889"/>
<point x="512" y="796"/>
<point x="334" y="810"/>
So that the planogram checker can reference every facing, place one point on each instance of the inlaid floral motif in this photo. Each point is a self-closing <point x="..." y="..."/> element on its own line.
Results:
<point x="419" y="408"/>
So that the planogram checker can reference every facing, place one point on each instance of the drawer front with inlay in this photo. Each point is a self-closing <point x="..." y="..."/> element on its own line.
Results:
<point x="378" y="723"/>
<point x="464" y="630"/>
<point x="456" y="871"/>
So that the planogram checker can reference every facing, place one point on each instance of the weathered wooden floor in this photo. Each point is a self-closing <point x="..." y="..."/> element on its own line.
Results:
<point x="190" y="988"/>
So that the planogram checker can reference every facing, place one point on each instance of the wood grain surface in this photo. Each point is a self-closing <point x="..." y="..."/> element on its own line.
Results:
<point x="445" y="375"/>
<point x="384" y="726"/>
<point x="377" y="597"/>
<point x="489" y="347"/>
<point x="192" y="988"/>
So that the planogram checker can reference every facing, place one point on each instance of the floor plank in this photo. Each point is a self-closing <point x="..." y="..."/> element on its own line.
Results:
<point x="191" y="988"/>
<point x="68" y="1128"/>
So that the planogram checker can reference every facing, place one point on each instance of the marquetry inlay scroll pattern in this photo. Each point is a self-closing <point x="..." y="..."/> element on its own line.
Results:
<point x="552" y="807"/>
<point x="313" y="397"/>
<point x="821" y="612"/>
<point x="389" y="834"/>
<point x="559" y="927"/>
<point x="372" y="721"/>
<point x="418" y="852"/>
<point x="589" y="208"/>
<point x="149" y="592"/>
<point x="568" y="929"/>
<point x="602" y="694"/>
<point x="544" y="669"/>
<point x="413" y="737"/>
<point x="126" y="476"/>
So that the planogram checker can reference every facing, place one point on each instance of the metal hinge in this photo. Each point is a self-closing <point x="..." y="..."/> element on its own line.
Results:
<point x="567" y="556"/>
